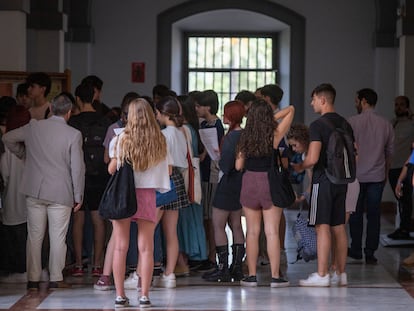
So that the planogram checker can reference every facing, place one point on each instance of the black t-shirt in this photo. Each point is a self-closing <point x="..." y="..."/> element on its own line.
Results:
<point x="320" y="131"/>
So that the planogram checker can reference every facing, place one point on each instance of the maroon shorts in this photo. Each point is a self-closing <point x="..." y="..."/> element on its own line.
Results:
<point x="255" y="191"/>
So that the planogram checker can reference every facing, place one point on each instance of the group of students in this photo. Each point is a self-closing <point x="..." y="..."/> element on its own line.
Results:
<point x="240" y="151"/>
<point x="155" y="136"/>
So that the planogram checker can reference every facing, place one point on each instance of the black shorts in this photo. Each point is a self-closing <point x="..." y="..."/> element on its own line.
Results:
<point x="327" y="203"/>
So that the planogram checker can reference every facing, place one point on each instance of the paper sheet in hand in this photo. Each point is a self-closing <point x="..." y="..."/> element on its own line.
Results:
<point x="209" y="139"/>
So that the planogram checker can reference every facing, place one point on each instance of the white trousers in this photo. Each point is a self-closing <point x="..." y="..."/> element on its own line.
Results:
<point x="42" y="214"/>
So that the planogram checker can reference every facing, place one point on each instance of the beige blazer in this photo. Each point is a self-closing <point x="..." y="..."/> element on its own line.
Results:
<point x="54" y="166"/>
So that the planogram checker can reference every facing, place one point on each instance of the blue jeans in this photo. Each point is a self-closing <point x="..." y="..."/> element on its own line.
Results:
<point x="369" y="199"/>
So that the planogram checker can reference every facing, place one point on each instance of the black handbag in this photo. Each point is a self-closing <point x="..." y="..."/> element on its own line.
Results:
<point x="281" y="189"/>
<point x="119" y="199"/>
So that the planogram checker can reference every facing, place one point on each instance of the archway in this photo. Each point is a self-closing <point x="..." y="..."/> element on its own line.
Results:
<point x="166" y="19"/>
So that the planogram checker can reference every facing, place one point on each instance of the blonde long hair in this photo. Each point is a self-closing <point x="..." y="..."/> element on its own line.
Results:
<point x="143" y="145"/>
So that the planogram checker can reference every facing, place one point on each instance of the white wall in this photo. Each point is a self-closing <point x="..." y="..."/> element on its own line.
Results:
<point x="339" y="48"/>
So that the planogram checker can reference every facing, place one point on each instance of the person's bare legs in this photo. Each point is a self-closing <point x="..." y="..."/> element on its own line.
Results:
<point x="323" y="238"/>
<point x="77" y="234"/>
<point x="98" y="238"/>
<point x="120" y="234"/>
<point x="169" y="219"/>
<point x="146" y="249"/>
<point x="271" y="219"/>
<point x="253" y="224"/>
<point x="340" y="247"/>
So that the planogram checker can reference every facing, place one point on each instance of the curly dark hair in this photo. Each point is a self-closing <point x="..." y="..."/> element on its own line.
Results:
<point x="299" y="132"/>
<point x="256" y="139"/>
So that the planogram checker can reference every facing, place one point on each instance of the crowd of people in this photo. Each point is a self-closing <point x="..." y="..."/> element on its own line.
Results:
<point x="58" y="156"/>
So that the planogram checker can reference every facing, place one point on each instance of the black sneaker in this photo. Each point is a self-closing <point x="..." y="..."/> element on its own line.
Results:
<point x="371" y="260"/>
<point x="400" y="234"/>
<point x="206" y="266"/>
<point x="250" y="281"/>
<point x="121" y="302"/>
<point x="279" y="282"/>
<point x="353" y="255"/>
<point x="32" y="285"/>
<point x="144" y="302"/>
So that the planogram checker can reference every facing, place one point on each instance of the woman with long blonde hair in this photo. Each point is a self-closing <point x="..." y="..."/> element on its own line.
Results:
<point x="144" y="147"/>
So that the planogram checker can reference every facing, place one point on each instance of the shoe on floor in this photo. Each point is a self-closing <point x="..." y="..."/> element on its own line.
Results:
<point x="181" y="271"/>
<point x="250" y="281"/>
<point x="371" y="260"/>
<point x="103" y="283"/>
<point x="339" y="279"/>
<point x="77" y="271"/>
<point x="315" y="280"/>
<point x="59" y="285"/>
<point x="409" y="261"/>
<point x="121" y="302"/>
<point x="132" y="281"/>
<point x="400" y="234"/>
<point x="96" y="271"/>
<point x="32" y="286"/>
<point x="353" y="255"/>
<point x="279" y="282"/>
<point x="144" y="302"/>
<point x="206" y="266"/>
<point x="167" y="281"/>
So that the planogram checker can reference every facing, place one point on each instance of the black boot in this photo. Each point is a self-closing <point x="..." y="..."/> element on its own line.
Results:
<point x="221" y="274"/>
<point x="236" y="269"/>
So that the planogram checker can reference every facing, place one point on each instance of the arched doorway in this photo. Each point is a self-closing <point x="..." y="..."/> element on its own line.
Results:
<point x="295" y="21"/>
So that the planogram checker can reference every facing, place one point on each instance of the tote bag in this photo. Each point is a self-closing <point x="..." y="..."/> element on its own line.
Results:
<point x="191" y="175"/>
<point x="281" y="189"/>
<point x="119" y="199"/>
<point x="165" y="198"/>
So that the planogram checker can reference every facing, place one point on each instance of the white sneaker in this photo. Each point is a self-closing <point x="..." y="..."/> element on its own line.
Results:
<point x="167" y="281"/>
<point x="132" y="281"/>
<point x="315" y="280"/>
<point x="339" y="279"/>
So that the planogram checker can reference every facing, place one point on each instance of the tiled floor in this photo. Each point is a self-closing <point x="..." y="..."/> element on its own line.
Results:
<point x="386" y="286"/>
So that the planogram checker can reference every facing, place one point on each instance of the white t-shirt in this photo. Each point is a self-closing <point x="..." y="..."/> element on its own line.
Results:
<point x="156" y="177"/>
<point x="177" y="146"/>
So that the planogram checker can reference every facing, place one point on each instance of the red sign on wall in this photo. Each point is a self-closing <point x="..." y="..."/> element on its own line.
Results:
<point x="138" y="72"/>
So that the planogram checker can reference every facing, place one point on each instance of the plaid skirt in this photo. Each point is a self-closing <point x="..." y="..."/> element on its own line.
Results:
<point x="182" y="200"/>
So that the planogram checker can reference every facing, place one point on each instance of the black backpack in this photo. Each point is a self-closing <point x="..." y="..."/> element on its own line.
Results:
<point x="340" y="155"/>
<point x="93" y="134"/>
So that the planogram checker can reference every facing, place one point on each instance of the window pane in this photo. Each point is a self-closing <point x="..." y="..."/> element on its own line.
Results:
<point x="230" y="64"/>
<point x="192" y="52"/>
<point x="201" y="43"/>
<point x="269" y="53"/>
<point x="244" y="55"/>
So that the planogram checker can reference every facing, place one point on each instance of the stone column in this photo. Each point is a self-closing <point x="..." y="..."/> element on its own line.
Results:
<point x="405" y="35"/>
<point x="13" y="34"/>
<point x="46" y="36"/>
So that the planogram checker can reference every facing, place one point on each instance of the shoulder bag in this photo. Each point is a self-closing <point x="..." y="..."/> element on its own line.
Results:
<point x="119" y="199"/>
<point x="281" y="189"/>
